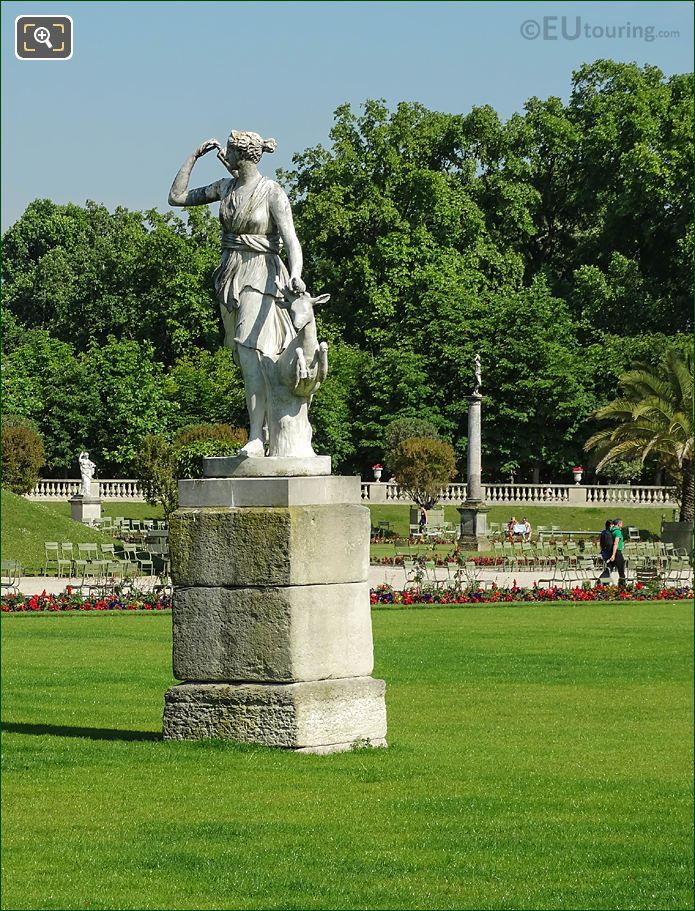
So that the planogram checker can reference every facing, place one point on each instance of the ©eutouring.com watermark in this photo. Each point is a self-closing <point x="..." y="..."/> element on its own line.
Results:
<point x="572" y="28"/>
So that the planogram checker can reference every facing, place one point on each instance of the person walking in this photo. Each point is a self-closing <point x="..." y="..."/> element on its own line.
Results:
<point x="617" y="558"/>
<point x="606" y="547"/>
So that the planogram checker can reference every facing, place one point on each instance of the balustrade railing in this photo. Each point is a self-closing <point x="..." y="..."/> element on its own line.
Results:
<point x="390" y="492"/>
<point x="630" y="495"/>
<point x="109" y="489"/>
<point x="534" y="494"/>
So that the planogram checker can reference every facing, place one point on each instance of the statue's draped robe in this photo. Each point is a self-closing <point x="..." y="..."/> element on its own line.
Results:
<point x="251" y="274"/>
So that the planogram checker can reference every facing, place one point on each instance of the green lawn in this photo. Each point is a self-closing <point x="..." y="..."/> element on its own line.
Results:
<point x="26" y="526"/>
<point x="569" y="518"/>
<point x="540" y="757"/>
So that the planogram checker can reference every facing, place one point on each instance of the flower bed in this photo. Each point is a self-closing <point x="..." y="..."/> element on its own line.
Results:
<point x="400" y="559"/>
<point x="386" y="595"/>
<point x="71" y="601"/>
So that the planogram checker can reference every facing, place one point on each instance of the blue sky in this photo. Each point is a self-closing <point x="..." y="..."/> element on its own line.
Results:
<point x="148" y="81"/>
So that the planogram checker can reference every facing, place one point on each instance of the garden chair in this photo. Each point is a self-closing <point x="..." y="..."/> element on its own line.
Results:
<point x="53" y="558"/>
<point x="164" y="572"/>
<point x="528" y="555"/>
<point x="432" y="577"/>
<point x="11" y="576"/>
<point x="465" y="576"/>
<point x="108" y="551"/>
<point x="414" y="573"/>
<point x="646" y="573"/>
<point x="88" y="551"/>
<point x="130" y="553"/>
<point x="67" y="551"/>
<point x="145" y="562"/>
<point x="556" y="576"/>
<point x="587" y="568"/>
<point x="449" y="530"/>
<point x="679" y="570"/>
<point x="632" y="533"/>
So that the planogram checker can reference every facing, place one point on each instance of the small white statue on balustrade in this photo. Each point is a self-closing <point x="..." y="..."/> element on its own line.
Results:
<point x="87" y="469"/>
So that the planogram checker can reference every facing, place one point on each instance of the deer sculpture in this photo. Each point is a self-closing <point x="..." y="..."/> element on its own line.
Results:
<point x="293" y="377"/>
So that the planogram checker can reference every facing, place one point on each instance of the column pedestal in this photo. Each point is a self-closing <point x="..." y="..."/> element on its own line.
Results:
<point x="272" y="633"/>
<point x="474" y="531"/>
<point x="85" y="509"/>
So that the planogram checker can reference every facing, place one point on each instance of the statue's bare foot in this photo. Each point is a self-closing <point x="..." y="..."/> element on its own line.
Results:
<point x="253" y="448"/>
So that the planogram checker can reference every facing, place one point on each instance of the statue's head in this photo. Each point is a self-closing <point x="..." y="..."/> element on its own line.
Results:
<point x="247" y="146"/>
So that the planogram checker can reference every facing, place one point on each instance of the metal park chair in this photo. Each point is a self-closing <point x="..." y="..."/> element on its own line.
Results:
<point x="11" y="575"/>
<point x="53" y="558"/>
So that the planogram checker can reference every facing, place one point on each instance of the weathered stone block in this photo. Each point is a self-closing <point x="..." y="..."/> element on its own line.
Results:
<point x="296" y="545"/>
<point x="320" y="716"/>
<point x="293" y="491"/>
<point x="269" y="467"/>
<point x="308" y="632"/>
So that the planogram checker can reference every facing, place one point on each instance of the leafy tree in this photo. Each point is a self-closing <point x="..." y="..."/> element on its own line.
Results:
<point x="22" y="457"/>
<point x="131" y="401"/>
<point x="405" y="429"/>
<point x="43" y="379"/>
<point x="160" y="463"/>
<point x="206" y="387"/>
<point x="553" y="244"/>
<point x="155" y="469"/>
<point x="423" y="466"/>
<point x="83" y="273"/>
<point x="654" y="417"/>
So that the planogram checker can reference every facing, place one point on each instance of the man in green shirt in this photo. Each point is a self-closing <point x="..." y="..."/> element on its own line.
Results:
<point x="617" y="558"/>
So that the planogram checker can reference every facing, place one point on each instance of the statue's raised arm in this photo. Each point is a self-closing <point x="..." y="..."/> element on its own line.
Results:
<point x="180" y="195"/>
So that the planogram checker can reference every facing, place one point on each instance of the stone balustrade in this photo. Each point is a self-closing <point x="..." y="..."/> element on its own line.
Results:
<point x="535" y="494"/>
<point x="454" y="494"/>
<point x="109" y="489"/>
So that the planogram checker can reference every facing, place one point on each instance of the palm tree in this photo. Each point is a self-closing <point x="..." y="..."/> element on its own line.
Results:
<point x="654" y="418"/>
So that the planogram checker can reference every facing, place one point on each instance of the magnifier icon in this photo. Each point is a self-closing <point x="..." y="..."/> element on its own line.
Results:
<point x="43" y="36"/>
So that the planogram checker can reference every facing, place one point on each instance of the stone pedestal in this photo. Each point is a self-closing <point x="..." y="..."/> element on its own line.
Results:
<point x="474" y="532"/>
<point x="85" y="509"/>
<point x="271" y="617"/>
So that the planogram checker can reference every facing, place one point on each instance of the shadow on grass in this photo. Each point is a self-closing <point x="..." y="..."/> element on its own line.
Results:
<point x="57" y="730"/>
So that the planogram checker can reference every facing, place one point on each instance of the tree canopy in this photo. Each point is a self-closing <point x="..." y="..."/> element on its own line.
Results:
<point x="554" y="244"/>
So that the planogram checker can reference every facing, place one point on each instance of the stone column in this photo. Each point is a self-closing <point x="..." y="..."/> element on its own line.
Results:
<point x="272" y="633"/>
<point x="474" y="465"/>
<point x="473" y="532"/>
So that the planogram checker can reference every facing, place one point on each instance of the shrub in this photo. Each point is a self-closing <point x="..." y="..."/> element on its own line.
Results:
<point x="155" y="467"/>
<point x="189" y="458"/>
<point x="23" y="457"/>
<point x="422" y="467"/>
<point x="223" y="432"/>
<point x="159" y="464"/>
<point x="405" y="429"/>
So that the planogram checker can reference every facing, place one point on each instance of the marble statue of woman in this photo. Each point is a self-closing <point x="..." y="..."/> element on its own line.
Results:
<point x="87" y="469"/>
<point x="478" y="375"/>
<point x="251" y="279"/>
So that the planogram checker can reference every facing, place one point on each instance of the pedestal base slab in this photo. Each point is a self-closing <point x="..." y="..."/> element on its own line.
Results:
<point x="320" y="716"/>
